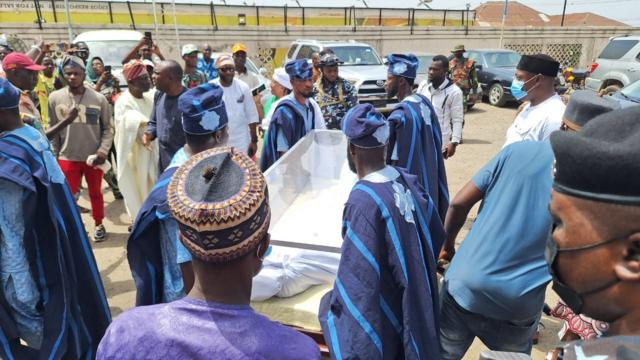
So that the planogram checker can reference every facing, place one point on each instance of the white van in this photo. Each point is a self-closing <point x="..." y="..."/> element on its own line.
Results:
<point x="112" y="46"/>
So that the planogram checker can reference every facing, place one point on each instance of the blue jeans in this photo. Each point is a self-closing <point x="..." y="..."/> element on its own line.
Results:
<point x="459" y="327"/>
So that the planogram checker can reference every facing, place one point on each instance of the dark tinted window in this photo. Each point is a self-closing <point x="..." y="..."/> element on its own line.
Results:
<point x="424" y="61"/>
<point x="292" y="51"/>
<point x="356" y="55"/>
<point x="502" y="59"/>
<point x="617" y="48"/>
<point x="474" y="56"/>
<point x="305" y="52"/>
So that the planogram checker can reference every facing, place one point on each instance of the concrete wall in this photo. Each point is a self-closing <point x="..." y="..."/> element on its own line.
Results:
<point x="384" y="39"/>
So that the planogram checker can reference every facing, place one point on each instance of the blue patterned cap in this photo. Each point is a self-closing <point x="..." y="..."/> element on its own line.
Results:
<point x="299" y="69"/>
<point x="405" y="65"/>
<point x="366" y="127"/>
<point x="9" y="95"/>
<point x="203" y="110"/>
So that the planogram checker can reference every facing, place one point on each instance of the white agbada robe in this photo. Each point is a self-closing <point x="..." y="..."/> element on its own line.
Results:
<point x="137" y="170"/>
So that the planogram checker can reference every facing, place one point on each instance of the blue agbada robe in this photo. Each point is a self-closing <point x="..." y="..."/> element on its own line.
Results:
<point x="286" y="120"/>
<point x="415" y="134"/>
<point x="144" y="248"/>
<point x="384" y="304"/>
<point x="74" y="305"/>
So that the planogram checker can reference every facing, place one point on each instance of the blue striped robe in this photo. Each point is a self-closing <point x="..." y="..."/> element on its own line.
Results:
<point x="287" y="120"/>
<point x="415" y="133"/>
<point x="144" y="251"/>
<point x="384" y="304"/>
<point x="74" y="304"/>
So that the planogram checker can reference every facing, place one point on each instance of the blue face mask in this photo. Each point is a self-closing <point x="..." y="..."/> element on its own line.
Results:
<point x="517" y="89"/>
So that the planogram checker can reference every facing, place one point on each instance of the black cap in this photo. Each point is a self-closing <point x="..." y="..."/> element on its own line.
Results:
<point x="585" y="105"/>
<point x="329" y="60"/>
<point x="539" y="64"/>
<point x="601" y="162"/>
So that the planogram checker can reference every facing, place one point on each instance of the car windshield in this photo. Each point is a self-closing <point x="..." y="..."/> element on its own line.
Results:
<point x="111" y="52"/>
<point x="356" y="55"/>
<point x="502" y="59"/>
<point x="423" y="63"/>
<point x="632" y="90"/>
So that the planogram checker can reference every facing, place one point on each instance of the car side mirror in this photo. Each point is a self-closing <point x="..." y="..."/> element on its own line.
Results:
<point x="478" y="67"/>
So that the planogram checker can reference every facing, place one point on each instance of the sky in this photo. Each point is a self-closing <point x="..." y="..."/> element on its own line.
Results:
<point x="627" y="11"/>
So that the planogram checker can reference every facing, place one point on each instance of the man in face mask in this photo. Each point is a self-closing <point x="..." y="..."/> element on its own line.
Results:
<point x="542" y="114"/>
<point x="594" y="247"/>
<point x="497" y="296"/>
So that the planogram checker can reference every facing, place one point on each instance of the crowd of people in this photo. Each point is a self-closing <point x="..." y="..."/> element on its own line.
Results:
<point x="180" y="146"/>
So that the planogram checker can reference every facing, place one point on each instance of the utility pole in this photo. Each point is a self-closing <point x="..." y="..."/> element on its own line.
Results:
<point x="564" y="9"/>
<point x="66" y="12"/>
<point x="504" y="19"/>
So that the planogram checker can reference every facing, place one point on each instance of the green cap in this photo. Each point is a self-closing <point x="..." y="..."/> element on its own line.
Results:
<point x="458" y="48"/>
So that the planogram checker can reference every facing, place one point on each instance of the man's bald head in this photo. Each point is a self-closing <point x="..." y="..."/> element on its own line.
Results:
<point x="206" y="52"/>
<point x="172" y="68"/>
<point x="168" y="77"/>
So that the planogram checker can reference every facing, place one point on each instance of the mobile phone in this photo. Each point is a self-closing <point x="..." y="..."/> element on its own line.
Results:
<point x="147" y="34"/>
<point x="259" y="89"/>
<point x="107" y="69"/>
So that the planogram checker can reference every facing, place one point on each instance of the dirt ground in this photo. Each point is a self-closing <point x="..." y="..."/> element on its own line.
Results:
<point x="484" y="134"/>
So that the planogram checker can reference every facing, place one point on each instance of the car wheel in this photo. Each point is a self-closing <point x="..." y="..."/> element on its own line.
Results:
<point x="610" y="90"/>
<point x="496" y="95"/>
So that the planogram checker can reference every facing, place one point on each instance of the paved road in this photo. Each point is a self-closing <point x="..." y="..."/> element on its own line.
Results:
<point x="483" y="137"/>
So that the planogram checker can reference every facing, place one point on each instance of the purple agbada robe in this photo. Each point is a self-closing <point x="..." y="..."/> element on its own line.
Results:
<point x="195" y="329"/>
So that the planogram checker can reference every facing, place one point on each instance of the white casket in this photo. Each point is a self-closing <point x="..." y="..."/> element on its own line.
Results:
<point x="308" y="187"/>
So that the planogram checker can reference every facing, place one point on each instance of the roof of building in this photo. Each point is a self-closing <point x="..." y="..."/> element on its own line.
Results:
<point x="584" y="19"/>
<point x="490" y="14"/>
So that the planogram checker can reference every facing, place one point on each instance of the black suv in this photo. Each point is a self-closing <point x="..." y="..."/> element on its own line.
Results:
<point x="496" y="69"/>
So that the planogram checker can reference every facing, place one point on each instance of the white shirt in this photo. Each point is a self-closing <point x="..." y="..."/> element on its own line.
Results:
<point x="249" y="78"/>
<point x="447" y="102"/>
<point x="241" y="111"/>
<point x="536" y="123"/>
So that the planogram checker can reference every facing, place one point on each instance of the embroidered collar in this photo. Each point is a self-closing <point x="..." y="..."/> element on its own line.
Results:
<point x="388" y="173"/>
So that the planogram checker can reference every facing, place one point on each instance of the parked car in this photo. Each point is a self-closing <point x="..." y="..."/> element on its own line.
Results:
<point x="112" y="46"/>
<point x="617" y="66"/>
<point x="424" y="61"/>
<point x="496" y="69"/>
<point x="628" y="96"/>
<point x="361" y="66"/>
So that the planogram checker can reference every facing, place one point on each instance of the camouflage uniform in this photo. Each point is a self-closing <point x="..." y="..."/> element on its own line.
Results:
<point x="335" y="100"/>
<point x="463" y="73"/>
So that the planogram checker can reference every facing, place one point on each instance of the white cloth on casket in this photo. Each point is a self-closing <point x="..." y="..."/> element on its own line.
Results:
<point x="289" y="271"/>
